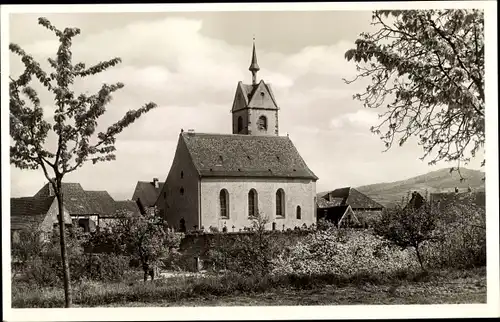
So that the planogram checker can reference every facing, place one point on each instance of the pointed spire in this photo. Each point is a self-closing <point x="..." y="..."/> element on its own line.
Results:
<point x="254" y="67"/>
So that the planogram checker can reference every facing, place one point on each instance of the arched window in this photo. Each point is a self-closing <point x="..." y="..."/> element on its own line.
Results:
<point x="240" y="124"/>
<point x="262" y="123"/>
<point x="253" y="207"/>
<point x="280" y="203"/>
<point x="224" y="203"/>
<point x="299" y="212"/>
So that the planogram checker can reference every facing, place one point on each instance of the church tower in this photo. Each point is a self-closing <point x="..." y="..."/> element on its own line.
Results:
<point x="255" y="111"/>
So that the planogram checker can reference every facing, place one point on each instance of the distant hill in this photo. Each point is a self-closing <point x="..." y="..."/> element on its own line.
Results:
<point x="436" y="181"/>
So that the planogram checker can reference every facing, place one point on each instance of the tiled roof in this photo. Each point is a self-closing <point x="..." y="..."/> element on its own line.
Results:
<point x="101" y="202"/>
<point x="74" y="198"/>
<point x="349" y="196"/>
<point x="129" y="206"/>
<point x="27" y="211"/>
<point x="81" y="202"/>
<point x="323" y="203"/>
<point x="226" y="155"/>
<point x="147" y="193"/>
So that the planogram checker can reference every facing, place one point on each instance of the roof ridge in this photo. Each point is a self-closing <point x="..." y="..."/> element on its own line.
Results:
<point x="234" y="135"/>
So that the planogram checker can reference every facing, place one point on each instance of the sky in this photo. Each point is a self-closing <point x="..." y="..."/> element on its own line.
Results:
<point x="190" y="63"/>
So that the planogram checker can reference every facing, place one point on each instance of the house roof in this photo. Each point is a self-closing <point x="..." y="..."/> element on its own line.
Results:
<point x="252" y="100"/>
<point x="349" y="196"/>
<point x="128" y="206"/>
<point x="324" y="203"/>
<point x="101" y="202"/>
<point x="81" y="202"/>
<point x="233" y="155"/>
<point x="147" y="193"/>
<point x="27" y="211"/>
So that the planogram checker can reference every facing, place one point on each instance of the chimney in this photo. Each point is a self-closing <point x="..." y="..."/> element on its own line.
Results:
<point x="156" y="183"/>
<point x="190" y="131"/>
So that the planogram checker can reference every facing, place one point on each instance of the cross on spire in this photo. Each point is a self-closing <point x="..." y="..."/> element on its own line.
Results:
<point x="254" y="67"/>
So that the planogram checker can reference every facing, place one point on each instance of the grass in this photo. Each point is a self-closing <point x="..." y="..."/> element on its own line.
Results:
<point x="403" y="288"/>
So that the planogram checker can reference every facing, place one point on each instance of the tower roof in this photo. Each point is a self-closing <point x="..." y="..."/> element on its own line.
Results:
<point x="246" y="95"/>
<point x="254" y="67"/>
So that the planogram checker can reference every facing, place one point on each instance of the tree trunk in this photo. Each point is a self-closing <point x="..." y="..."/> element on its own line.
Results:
<point x="419" y="256"/>
<point x="64" y="254"/>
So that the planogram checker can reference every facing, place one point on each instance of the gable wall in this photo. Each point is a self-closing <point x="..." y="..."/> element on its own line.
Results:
<point x="51" y="218"/>
<point x="297" y="192"/>
<point x="171" y="203"/>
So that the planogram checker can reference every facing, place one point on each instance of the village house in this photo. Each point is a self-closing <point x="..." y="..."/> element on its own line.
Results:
<point x="146" y="193"/>
<point x="224" y="180"/>
<point x="365" y="209"/>
<point x="89" y="209"/>
<point x="340" y="216"/>
<point x="30" y="213"/>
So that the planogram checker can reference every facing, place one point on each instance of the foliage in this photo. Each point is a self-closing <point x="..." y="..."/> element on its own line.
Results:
<point x="249" y="254"/>
<point x="324" y="224"/>
<point x="144" y="238"/>
<point x="463" y="227"/>
<point x="343" y="252"/>
<point x="28" y="245"/>
<point x="106" y="267"/>
<point x="409" y="227"/>
<point x="42" y="265"/>
<point x="427" y="67"/>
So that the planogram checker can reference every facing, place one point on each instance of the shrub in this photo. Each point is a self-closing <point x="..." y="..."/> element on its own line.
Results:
<point x="463" y="238"/>
<point x="248" y="254"/>
<point x="342" y="252"/>
<point x="106" y="267"/>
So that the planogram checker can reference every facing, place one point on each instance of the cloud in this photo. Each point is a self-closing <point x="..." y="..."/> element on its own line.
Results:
<point x="359" y="119"/>
<point x="193" y="78"/>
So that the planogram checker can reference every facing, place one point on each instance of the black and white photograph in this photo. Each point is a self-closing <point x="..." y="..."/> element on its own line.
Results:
<point x="277" y="161"/>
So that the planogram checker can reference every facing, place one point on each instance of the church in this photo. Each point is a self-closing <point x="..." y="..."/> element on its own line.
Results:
<point x="223" y="181"/>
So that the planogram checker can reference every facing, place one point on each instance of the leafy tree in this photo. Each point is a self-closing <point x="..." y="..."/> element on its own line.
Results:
<point x="145" y="239"/>
<point x="427" y="68"/>
<point x="75" y="121"/>
<point x="409" y="227"/>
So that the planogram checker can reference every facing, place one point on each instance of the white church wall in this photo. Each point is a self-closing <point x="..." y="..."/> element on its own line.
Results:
<point x="298" y="192"/>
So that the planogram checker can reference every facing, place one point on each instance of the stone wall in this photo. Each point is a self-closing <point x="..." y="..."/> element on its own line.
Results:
<point x="195" y="245"/>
